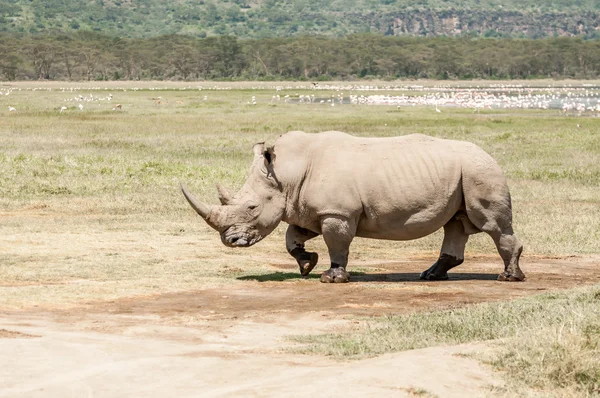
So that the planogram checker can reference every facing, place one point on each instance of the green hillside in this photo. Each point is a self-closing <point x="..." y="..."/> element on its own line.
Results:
<point x="285" y="18"/>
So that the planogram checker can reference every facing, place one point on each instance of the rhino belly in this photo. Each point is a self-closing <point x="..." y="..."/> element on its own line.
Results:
<point x="407" y="220"/>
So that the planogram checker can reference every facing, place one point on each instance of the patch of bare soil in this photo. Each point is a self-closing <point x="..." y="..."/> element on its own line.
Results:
<point x="232" y="341"/>
<point x="392" y="288"/>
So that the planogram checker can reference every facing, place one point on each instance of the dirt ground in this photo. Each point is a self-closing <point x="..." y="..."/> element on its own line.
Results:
<point x="233" y="341"/>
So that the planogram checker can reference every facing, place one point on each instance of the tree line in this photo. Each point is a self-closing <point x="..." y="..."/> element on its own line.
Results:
<point x="91" y="56"/>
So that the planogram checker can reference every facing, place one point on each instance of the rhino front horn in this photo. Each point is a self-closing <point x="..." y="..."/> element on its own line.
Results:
<point x="202" y="209"/>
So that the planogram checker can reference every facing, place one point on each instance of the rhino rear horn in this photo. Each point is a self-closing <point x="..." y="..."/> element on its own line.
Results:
<point x="224" y="195"/>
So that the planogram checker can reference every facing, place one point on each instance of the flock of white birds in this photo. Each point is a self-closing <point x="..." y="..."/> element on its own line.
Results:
<point x="566" y="98"/>
<point x="579" y="102"/>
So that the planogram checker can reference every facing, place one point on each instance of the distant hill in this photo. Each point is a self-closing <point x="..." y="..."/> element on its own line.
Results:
<point x="288" y="18"/>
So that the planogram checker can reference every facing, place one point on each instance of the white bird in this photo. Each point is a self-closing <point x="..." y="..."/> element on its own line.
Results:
<point x="437" y="109"/>
<point x="12" y="109"/>
<point x="63" y="108"/>
<point x="80" y="107"/>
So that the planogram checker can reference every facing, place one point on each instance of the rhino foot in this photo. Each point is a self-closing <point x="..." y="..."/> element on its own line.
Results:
<point x="431" y="276"/>
<point x="439" y="270"/>
<point x="307" y="261"/>
<point x="507" y="276"/>
<point x="434" y="273"/>
<point x="335" y="275"/>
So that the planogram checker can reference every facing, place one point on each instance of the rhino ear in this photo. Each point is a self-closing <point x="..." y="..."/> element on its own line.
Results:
<point x="269" y="155"/>
<point x="258" y="149"/>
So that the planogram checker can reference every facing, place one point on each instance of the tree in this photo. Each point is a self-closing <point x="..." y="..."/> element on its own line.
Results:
<point x="43" y="52"/>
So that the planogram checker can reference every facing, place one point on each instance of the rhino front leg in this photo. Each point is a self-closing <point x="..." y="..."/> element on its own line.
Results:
<point x="294" y="243"/>
<point x="338" y="234"/>
<point x="452" y="253"/>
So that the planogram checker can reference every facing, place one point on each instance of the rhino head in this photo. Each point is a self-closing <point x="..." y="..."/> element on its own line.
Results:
<point x="254" y="212"/>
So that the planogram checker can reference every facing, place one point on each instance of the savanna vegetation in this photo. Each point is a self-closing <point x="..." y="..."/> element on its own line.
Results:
<point x="89" y="203"/>
<point x="90" y="56"/>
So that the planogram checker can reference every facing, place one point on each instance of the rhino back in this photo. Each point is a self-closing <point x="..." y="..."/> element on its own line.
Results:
<point x="398" y="187"/>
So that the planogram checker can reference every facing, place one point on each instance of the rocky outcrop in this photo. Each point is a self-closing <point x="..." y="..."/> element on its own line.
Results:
<point x="497" y="23"/>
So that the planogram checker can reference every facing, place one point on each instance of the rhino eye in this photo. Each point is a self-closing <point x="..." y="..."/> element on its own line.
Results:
<point x="252" y="207"/>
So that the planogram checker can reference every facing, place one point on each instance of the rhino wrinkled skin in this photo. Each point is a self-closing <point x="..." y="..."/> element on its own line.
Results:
<point x="340" y="186"/>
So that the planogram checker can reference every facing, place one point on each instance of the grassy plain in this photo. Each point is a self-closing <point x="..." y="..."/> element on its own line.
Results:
<point x="67" y="176"/>
<point x="90" y="207"/>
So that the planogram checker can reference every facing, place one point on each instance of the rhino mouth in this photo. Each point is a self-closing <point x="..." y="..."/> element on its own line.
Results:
<point x="232" y="238"/>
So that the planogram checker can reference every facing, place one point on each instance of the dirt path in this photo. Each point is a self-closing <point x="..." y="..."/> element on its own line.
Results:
<point x="242" y="359"/>
<point x="231" y="342"/>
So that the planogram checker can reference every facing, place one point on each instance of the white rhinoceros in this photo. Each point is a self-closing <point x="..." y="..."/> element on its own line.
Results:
<point x="340" y="186"/>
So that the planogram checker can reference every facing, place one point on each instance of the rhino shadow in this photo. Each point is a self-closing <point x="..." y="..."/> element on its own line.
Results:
<point x="375" y="277"/>
<point x="276" y="277"/>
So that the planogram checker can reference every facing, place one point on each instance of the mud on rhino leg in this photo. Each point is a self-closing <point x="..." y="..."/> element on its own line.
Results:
<point x="452" y="253"/>
<point x="338" y="233"/>
<point x="294" y="243"/>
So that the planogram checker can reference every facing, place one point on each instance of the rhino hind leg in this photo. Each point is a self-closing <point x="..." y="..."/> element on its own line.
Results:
<point x="494" y="217"/>
<point x="510" y="250"/>
<point x="338" y="233"/>
<point x="452" y="253"/>
<point x="295" y="238"/>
